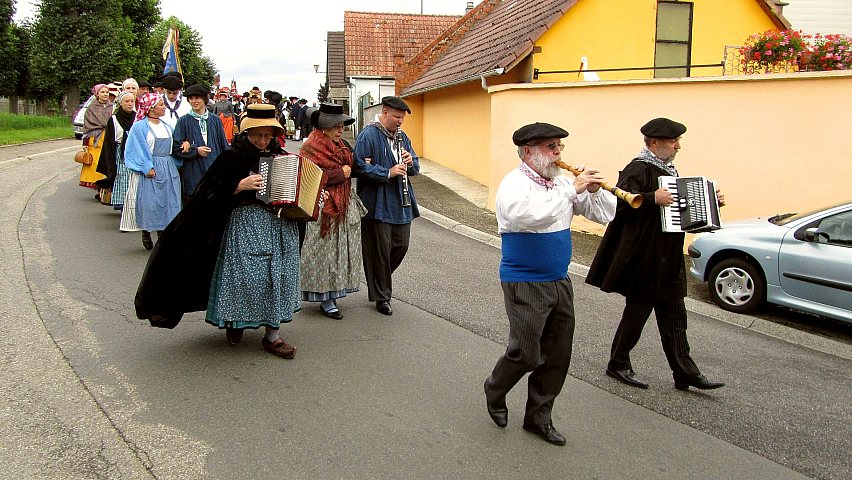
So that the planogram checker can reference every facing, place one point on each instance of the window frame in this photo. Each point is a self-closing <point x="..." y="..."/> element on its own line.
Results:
<point x="688" y="42"/>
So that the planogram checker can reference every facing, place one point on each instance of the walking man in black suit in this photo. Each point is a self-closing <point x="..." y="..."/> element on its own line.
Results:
<point x="643" y="263"/>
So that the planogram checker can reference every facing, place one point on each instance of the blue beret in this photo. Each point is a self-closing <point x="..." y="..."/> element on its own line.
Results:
<point x="534" y="131"/>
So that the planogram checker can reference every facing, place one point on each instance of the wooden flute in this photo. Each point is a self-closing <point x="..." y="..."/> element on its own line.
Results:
<point x="632" y="199"/>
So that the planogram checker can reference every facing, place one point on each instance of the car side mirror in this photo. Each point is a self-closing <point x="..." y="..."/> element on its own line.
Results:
<point x="814" y="235"/>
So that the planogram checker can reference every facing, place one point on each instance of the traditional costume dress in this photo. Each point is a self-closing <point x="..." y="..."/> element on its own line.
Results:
<point x="114" y="185"/>
<point x="200" y="131"/>
<point x="94" y="124"/>
<point x="227" y="253"/>
<point x="149" y="146"/>
<point x="331" y="254"/>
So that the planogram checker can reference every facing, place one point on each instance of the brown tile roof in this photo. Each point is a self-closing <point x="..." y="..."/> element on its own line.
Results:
<point x="372" y="39"/>
<point x="495" y="34"/>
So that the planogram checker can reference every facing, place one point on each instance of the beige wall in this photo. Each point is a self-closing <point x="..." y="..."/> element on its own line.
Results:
<point x="455" y="129"/>
<point x="774" y="143"/>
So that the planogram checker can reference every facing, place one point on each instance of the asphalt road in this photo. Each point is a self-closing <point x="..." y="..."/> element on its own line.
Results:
<point x="372" y="396"/>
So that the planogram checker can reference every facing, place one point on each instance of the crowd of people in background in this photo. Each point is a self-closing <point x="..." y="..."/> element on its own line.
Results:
<point x="181" y="163"/>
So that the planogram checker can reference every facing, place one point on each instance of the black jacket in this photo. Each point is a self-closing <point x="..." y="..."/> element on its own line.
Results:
<point x="636" y="258"/>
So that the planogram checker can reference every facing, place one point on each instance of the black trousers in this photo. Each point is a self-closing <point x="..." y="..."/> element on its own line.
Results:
<point x="541" y="332"/>
<point x="383" y="246"/>
<point x="671" y="321"/>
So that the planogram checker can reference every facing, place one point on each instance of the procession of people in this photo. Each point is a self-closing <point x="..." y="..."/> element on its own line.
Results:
<point x="184" y="165"/>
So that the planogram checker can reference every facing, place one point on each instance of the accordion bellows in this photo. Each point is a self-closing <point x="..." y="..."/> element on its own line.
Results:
<point x="293" y="184"/>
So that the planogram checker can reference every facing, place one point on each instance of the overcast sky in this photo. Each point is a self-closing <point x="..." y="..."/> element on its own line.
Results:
<point x="274" y="44"/>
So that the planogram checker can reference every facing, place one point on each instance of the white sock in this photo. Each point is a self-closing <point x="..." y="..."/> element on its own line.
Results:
<point x="329" y="306"/>
<point x="271" y="334"/>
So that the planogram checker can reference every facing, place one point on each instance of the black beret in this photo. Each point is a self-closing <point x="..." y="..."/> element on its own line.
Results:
<point x="144" y="83"/>
<point x="533" y="131"/>
<point x="196" y="91"/>
<point x="171" y="82"/>
<point x="396" y="103"/>
<point x="663" y="128"/>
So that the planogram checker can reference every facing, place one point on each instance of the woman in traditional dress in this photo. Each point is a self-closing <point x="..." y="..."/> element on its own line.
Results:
<point x="148" y="153"/>
<point x="95" y="121"/>
<point x="111" y="164"/>
<point x="331" y="256"/>
<point x="254" y="249"/>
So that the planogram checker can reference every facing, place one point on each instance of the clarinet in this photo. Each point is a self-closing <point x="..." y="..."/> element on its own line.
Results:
<point x="397" y="141"/>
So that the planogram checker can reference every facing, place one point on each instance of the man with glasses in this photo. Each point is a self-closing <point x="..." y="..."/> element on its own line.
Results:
<point x="535" y="206"/>
<point x="645" y="265"/>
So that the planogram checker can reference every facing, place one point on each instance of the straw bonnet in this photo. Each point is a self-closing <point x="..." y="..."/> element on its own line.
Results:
<point x="260" y="115"/>
<point x="329" y="115"/>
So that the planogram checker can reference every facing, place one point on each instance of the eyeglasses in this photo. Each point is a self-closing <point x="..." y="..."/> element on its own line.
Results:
<point x="552" y="146"/>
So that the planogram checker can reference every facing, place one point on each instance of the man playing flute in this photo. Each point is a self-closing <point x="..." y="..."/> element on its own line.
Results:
<point x="534" y="209"/>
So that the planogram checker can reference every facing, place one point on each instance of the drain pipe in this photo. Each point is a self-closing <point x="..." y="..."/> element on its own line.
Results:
<point x="496" y="71"/>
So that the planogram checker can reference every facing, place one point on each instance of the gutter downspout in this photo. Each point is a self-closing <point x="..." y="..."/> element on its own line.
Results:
<point x="496" y="71"/>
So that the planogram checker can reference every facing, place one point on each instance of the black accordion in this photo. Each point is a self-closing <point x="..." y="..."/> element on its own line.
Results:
<point x="695" y="208"/>
<point x="293" y="184"/>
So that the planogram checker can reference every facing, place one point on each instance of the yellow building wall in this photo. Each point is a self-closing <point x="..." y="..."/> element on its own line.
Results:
<point x="456" y="128"/>
<point x="622" y="34"/>
<point x="760" y="137"/>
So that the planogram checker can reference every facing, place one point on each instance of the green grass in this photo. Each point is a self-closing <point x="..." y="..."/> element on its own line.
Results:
<point x="32" y="128"/>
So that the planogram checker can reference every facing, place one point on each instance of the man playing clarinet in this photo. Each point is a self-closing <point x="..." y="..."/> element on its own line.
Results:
<point x="383" y="160"/>
<point x="645" y="265"/>
<point x="534" y="209"/>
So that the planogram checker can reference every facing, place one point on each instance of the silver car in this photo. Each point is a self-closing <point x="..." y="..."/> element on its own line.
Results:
<point x="801" y="261"/>
<point x="78" y="118"/>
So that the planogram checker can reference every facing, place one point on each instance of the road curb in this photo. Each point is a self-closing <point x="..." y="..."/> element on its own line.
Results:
<point x="771" y="329"/>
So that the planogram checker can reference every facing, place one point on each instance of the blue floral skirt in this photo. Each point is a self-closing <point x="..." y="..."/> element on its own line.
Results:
<point x="256" y="280"/>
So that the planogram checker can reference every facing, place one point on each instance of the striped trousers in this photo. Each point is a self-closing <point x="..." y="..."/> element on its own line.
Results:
<point x="541" y="332"/>
<point x="671" y="322"/>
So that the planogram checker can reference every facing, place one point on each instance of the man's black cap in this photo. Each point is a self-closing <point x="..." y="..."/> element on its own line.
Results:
<point x="535" y="131"/>
<point x="144" y="83"/>
<point x="663" y="128"/>
<point x="171" y="82"/>
<point x="196" y="91"/>
<point x="396" y="103"/>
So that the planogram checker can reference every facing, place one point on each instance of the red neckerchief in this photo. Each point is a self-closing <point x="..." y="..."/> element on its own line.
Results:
<point x="535" y="177"/>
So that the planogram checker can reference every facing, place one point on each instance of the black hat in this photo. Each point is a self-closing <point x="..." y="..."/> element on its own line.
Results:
<point x="196" y="91"/>
<point x="329" y="115"/>
<point x="663" y="128"/>
<point x="534" y="131"/>
<point x="144" y="83"/>
<point x="395" y="103"/>
<point x="171" y="82"/>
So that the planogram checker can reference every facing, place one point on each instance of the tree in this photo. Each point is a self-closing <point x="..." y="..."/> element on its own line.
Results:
<point x="143" y="16"/>
<point x="22" y="38"/>
<point x="8" y="49"/>
<point x="322" y="93"/>
<point x="78" y="43"/>
<point x="197" y="67"/>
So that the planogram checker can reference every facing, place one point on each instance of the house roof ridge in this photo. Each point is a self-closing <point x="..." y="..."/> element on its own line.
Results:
<point x="407" y="14"/>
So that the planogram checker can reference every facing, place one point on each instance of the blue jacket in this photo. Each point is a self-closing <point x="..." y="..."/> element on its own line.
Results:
<point x="382" y="195"/>
<point x="194" y="166"/>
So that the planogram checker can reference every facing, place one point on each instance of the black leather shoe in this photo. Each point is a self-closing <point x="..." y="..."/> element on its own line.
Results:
<point x="383" y="306"/>
<point x="498" y="411"/>
<point x="234" y="335"/>
<point x="547" y="432"/>
<point x="698" y="382"/>
<point x="627" y="376"/>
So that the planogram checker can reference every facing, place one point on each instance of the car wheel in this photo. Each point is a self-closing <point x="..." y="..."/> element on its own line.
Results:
<point x="78" y="136"/>
<point x="736" y="285"/>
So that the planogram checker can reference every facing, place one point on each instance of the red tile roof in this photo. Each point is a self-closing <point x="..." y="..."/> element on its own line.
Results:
<point x="372" y="39"/>
<point x="496" y="34"/>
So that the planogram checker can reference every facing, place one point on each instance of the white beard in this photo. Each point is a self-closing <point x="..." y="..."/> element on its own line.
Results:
<point x="544" y="165"/>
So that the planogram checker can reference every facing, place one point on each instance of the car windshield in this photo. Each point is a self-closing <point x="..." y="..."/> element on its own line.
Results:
<point x="784" y="218"/>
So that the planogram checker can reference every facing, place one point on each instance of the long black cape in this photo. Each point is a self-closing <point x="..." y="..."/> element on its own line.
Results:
<point x="636" y="258"/>
<point x="180" y="269"/>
